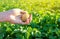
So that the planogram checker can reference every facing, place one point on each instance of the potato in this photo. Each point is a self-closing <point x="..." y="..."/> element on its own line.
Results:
<point x="25" y="17"/>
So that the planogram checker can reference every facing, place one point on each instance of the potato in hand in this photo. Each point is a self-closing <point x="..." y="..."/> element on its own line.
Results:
<point x="24" y="17"/>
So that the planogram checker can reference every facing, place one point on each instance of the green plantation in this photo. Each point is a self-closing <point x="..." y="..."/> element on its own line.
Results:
<point x="44" y="25"/>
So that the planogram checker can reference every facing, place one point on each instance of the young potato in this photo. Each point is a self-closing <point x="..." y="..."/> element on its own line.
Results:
<point x="24" y="17"/>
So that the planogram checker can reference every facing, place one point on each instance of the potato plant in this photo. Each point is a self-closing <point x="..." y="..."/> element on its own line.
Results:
<point x="45" y="23"/>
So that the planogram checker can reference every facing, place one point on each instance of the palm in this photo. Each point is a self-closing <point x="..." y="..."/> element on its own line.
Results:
<point x="15" y="17"/>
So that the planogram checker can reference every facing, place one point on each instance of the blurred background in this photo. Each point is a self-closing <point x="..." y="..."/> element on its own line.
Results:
<point x="45" y="23"/>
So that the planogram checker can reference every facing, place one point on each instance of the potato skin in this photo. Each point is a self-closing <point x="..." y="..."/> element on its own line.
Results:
<point x="25" y="17"/>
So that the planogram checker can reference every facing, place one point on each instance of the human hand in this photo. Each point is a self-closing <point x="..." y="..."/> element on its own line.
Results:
<point x="14" y="16"/>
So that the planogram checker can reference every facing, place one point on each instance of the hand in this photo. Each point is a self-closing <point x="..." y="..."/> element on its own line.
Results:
<point x="14" y="16"/>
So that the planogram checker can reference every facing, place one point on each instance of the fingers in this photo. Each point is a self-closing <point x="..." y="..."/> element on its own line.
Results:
<point x="30" y="17"/>
<point x="23" y="12"/>
<point x="19" y="21"/>
<point x="27" y="21"/>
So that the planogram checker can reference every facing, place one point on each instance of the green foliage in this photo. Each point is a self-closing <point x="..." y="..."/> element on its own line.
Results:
<point x="45" y="23"/>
